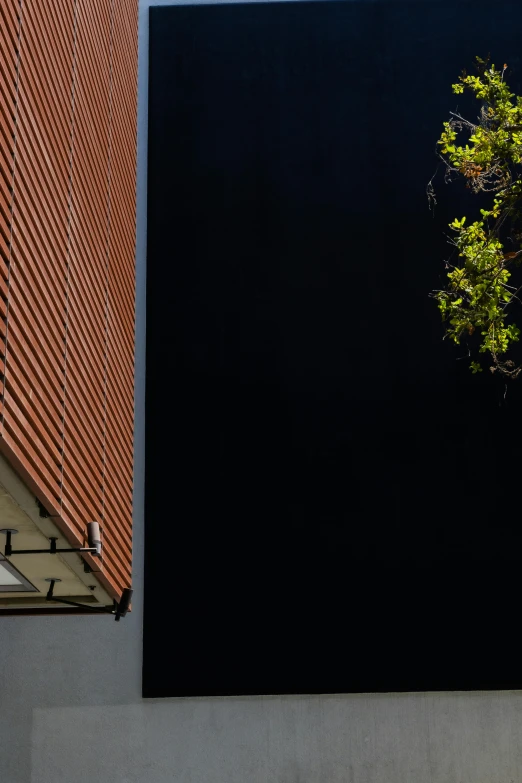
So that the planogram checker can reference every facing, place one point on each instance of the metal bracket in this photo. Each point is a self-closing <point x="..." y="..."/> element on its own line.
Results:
<point x="119" y="609"/>
<point x="42" y="510"/>
<point x="93" y="536"/>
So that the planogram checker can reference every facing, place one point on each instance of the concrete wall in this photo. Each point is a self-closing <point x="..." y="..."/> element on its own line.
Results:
<point x="71" y="711"/>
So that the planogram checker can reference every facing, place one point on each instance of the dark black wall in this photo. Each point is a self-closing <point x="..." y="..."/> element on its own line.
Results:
<point x="331" y="496"/>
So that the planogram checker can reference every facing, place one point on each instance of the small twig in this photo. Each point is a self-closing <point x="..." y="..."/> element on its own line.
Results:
<point x="430" y="192"/>
<point x="513" y="296"/>
<point x="459" y="358"/>
<point x="462" y="119"/>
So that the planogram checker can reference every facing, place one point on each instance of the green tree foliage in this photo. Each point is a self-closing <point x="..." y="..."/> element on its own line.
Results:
<point x="479" y="298"/>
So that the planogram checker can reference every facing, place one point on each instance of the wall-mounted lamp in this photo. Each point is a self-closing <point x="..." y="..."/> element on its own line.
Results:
<point x="119" y="608"/>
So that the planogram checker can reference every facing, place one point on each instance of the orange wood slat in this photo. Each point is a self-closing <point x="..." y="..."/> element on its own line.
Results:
<point x="5" y="233"/>
<point x="115" y="463"/>
<point x="116" y="522"/>
<point x="55" y="23"/>
<point x="120" y="432"/>
<point x="84" y="427"/>
<point x="8" y="53"/>
<point x="122" y="360"/>
<point x="7" y="128"/>
<point x="26" y="316"/>
<point x="116" y="553"/>
<point x="88" y="385"/>
<point x="33" y="310"/>
<point x="13" y="445"/>
<point x="7" y="56"/>
<point x="9" y="10"/>
<point x="19" y="381"/>
<point x="26" y="412"/>
<point x="80" y="432"/>
<point x="43" y="195"/>
<point x="81" y="487"/>
<point x="6" y="178"/>
<point x="36" y="82"/>
<point x="123" y="294"/>
<point x="116" y="562"/>
<point x="119" y="494"/>
<point x="123" y="392"/>
<point x="50" y="146"/>
<point x="116" y="472"/>
<point x="93" y="123"/>
<point x="83" y="482"/>
<point x="34" y="202"/>
<point x="120" y="491"/>
<point x="26" y="342"/>
<point x="89" y="200"/>
<point x="87" y="470"/>
<point x="9" y="29"/>
<point x="121" y="541"/>
<point x="22" y="439"/>
<point x="123" y="310"/>
<point x="87" y="277"/>
<point x="74" y="522"/>
<point x="117" y="511"/>
<point x="87" y="244"/>
<point x="39" y="258"/>
<point x="7" y="102"/>
<point x="121" y="340"/>
<point x="88" y="353"/>
<point x="68" y="98"/>
<point x="121" y="333"/>
<point x="121" y="263"/>
<point x="120" y="348"/>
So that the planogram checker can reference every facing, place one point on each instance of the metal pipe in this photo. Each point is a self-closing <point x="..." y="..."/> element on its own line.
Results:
<point x="99" y="610"/>
<point x="8" y="547"/>
<point x="47" y="551"/>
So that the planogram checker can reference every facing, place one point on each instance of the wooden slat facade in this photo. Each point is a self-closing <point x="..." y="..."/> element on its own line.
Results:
<point x="68" y="106"/>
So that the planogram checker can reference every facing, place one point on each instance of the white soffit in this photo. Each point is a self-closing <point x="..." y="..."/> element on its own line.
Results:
<point x="19" y="510"/>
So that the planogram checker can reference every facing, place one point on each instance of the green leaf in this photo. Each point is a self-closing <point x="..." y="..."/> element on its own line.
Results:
<point x="489" y="156"/>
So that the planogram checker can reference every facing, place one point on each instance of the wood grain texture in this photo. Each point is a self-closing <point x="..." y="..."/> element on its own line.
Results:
<point x="68" y="97"/>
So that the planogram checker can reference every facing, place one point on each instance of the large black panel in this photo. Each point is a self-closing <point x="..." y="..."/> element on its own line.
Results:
<point x="326" y="483"/>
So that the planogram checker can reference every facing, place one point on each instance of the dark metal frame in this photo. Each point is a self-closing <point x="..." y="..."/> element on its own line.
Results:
<point x="53" y="550"/>
<point x="119" y="608"/>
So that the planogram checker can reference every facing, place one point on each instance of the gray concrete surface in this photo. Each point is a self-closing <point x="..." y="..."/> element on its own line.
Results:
<point x="378" y="739"/>
<point x="71" y="711"/>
